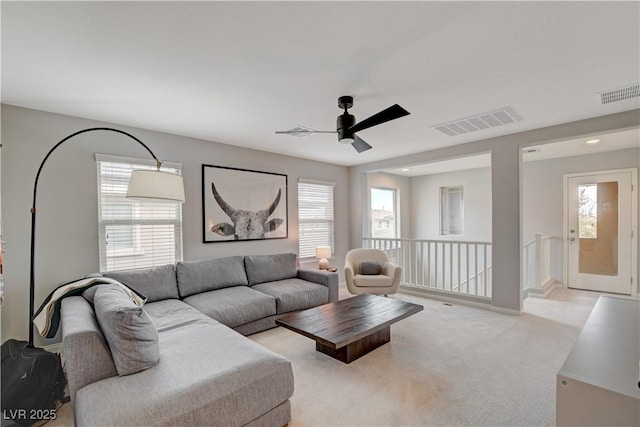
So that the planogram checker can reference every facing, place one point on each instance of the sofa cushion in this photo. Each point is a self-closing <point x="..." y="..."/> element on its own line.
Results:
<point x="269" y="268"/>
<point x="294" y="294"/>
<point x="234" y="306"/>
<point x="130" y="332"/>
<point x="209" y="375"/>
<point x="370" y="268"/>
<point x="156" y="283"/>
<point x="195" y="277"/>
<point x="171" y="314"/>
<point x="372" y="281"/>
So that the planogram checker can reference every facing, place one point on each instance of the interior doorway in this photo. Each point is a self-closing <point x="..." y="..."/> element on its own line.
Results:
<point x="599" y="237"/>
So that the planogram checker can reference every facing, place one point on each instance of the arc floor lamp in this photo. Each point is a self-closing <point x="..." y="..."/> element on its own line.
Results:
<point x="144" y="185"/>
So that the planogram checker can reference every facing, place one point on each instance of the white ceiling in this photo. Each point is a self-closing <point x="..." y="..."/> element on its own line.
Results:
<point x="235" y="72"/>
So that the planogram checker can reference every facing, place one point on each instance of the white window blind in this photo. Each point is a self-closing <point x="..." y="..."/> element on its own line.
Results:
<point x="315" y="217"/>
<point x="451" y="210"/>
<point x="133" y="234"/>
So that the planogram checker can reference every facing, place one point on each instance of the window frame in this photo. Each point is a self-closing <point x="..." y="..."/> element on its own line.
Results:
<point x="396" y="212"/>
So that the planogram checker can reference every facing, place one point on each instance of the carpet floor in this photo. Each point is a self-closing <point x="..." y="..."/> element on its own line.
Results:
<point x="445" y="366"/>
<point x="449" y="365"/>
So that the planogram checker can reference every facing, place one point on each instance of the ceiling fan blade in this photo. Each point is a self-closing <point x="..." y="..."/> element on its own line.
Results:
<point x="303" y="132"/>
<point x="391" y="113"/>
<point x="359" y="144"/>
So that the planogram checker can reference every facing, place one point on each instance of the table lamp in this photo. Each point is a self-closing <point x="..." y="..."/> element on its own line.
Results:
<point x="323" y="252"/>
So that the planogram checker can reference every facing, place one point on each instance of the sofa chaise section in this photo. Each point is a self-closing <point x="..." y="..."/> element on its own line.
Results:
<point x="207" y="375"/>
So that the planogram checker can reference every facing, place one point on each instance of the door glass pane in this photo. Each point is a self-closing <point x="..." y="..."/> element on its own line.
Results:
<point x="598" y="228"/>
<point x="588" y="211"/>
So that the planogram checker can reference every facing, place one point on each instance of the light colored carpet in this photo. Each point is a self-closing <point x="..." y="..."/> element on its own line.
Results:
<point x="447" y="365"/>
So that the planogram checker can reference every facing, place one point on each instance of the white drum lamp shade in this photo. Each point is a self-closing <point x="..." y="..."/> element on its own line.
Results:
<point x="323" y="252"/>
<point x="155" y="186"/>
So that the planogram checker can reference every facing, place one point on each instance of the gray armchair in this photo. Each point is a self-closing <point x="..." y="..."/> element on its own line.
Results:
<point x="387" y="282"/>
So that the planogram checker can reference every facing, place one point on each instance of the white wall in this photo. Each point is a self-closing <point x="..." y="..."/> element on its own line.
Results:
<point x="425" y="206"/>
<point x="67" y="230"/>
<point x="543" y="194"/>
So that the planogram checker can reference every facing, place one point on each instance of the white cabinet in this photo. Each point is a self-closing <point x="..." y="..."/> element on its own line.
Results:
<point x="598" y="383"/>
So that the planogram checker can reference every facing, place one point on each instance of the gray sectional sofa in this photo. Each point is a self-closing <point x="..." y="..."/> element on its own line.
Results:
<point x="208" y="372"/>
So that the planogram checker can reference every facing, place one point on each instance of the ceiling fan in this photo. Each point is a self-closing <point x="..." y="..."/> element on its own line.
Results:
<point x="347" y="126"/>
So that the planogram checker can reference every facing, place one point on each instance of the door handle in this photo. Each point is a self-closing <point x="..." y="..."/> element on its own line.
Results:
<point x="571" y="239"/>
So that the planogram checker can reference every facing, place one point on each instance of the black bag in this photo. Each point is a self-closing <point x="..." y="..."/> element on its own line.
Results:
<point x="32" y="382"/>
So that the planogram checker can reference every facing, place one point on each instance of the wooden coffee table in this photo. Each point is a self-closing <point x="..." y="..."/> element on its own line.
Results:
<point x="350" y="328"/>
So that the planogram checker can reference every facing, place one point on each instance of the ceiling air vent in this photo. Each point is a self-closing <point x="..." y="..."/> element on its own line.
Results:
<point x="496" y="118"/>
<point x="620" y="94"/>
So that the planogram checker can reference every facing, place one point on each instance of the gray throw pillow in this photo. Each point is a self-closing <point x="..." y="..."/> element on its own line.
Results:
<point x="130" y="332"/>
<point x="370" y="268"/>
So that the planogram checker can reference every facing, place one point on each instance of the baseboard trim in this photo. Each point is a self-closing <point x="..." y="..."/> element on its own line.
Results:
<point x="509" y="311"/>
<point x="440" y="297"/>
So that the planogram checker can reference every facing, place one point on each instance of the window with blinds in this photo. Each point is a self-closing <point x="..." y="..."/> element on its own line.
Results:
<point x="451" y="210"/>
<point x="315" y="217"/>
<point x="133" y="234"/>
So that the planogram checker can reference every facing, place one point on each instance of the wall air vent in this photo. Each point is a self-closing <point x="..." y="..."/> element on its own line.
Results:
<point x="620" y="94"/>
<point x="496" y="118"/>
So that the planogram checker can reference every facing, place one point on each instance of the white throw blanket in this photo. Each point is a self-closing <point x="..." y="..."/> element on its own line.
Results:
<point x="47" y="318"/>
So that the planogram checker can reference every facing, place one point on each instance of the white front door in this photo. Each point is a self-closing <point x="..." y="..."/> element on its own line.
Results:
<point x="599" y="232"/>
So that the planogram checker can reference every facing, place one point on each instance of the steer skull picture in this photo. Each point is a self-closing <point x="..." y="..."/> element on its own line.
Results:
<point x="240" y="204"/>
<point x="247" y="225"/>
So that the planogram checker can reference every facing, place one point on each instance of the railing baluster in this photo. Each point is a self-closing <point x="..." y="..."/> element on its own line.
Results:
<point x="410" y="257"/>
<point x="443" y="269"/>
<point x="525" y="269"/>
<point x="407" y="256"/>
<point x="476" y="267"/>
<point x="406" y="262"/>
<point x="468" y="278"/>
<point x="451" y="266"/>
<point x="459" y="264"/>
<point x="485" y="271"/>
<point x="429" y="264"/>
<point x="422" y="262"/>
<point x="435" y="265"/>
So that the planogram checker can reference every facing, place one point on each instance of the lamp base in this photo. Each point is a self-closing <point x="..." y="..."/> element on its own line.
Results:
<point x="323" y="264"/>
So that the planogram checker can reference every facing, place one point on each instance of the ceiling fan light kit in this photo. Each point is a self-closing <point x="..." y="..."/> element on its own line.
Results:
<point x="346" y="126"/>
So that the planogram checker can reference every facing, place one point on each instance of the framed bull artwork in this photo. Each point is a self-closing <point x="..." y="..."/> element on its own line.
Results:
<point x="241" y="204"/>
